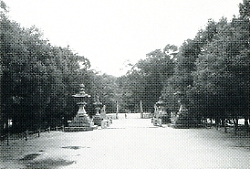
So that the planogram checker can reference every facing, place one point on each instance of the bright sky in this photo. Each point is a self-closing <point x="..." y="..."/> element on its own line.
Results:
<point x="112" y="33"/>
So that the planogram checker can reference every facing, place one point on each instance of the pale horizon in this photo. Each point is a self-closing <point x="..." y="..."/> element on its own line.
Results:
<point x="113" y="33"/>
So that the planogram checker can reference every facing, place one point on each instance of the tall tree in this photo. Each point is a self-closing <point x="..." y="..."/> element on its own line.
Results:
<point x="148" y="76"/>
<point x="222" y="72"/>
<point x="37" y="79"/>
<point x="244" y="9"/>
<point x="3" y="10"/>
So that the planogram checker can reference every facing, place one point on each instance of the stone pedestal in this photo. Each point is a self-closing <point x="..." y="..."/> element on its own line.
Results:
<point x="183" y="119"/>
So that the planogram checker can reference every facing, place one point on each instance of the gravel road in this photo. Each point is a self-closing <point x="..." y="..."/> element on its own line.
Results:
<point x="130" y="143"/>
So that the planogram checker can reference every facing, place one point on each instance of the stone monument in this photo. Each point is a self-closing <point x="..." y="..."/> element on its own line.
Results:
<point x="183" y="118"/>
<point x="100" y="119"/>
<point x="81" y="121"/>
<point x="97" y="118"/>
<point x="161" y="115"/>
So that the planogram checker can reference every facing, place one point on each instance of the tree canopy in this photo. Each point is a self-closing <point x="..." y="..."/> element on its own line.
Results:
<point x="210" y="71"/>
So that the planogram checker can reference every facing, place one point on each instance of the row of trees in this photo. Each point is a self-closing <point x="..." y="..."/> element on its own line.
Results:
<point x="210" y="73"/>
<point x="39" y="79"/>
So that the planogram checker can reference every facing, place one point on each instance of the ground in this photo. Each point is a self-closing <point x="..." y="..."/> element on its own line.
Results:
<point x="129" y="143"/>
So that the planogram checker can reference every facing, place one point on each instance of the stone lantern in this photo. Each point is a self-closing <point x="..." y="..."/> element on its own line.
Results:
<point x="161" y="116"/>
<point x="98" y="118"/>
<point x="97" y="105"/>
<point x="183" y="117"/>
<point x="161" y="105"/>
<point x="81" y="121"/>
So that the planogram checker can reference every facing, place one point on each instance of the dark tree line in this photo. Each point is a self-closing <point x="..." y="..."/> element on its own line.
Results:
<point x="210" y="71"/>
<point x="39" y="79"/>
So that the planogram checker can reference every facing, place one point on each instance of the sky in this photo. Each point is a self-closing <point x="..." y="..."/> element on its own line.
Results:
<point x="113" y="33"/>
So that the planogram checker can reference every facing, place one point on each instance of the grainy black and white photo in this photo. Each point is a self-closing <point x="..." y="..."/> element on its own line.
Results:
<point x="125" y="84"/>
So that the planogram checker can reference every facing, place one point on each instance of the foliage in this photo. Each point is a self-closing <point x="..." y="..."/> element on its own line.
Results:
<point x="104" y="86"/>
<point x="222" y="73"/>
<point x="146" y="79"/>
<point x="209" y="74"/>
<point x="244" y="9"/>
<point x="37" y="79"/>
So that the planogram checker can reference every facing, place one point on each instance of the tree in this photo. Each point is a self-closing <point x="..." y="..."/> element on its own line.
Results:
<point x="148" y="76"/>
<point x="222" y="73"/>
<point x="37" y="79"/>
<point x="244" y="9"/>
<point x="3" y="10"/>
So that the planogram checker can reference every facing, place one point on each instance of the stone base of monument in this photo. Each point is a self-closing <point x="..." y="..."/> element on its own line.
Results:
<point x="102" y="120"/>
<point x="98" y="120"/>
<point x="163" y="119"/>
<point x="184" y="120"/>
<point x="81" y="122"/>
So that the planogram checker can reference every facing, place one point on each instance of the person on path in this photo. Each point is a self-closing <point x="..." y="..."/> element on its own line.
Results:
<point x="125" y="115"/>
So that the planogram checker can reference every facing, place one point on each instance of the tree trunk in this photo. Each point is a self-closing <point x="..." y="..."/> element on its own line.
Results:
<point x="246" y="124"/>
<point x="141" y="110"/>
<point x="217" y="123"/>
<point x="1" y="115"/>
<point x="235" y="125"/>
<point x="117" y="110"/>
<point x="224" y="125"/>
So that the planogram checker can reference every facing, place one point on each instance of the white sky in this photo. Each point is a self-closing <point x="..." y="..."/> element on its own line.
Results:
<point x="111" y="32"/>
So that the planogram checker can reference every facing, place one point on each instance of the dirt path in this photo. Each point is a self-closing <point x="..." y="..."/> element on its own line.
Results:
<point x="129" y="143"/>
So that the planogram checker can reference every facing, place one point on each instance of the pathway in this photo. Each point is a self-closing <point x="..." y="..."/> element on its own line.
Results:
<point x="130" y="143"/>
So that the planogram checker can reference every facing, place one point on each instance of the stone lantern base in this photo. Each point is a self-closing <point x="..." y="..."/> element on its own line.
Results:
<point x="81" y="122"/>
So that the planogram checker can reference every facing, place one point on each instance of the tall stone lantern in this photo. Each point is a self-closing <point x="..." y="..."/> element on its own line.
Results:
<point x="183" y="117"/>
<point x="81" y="121"/>
<point x="161" y="115"/>
<point x="97" y="105"/>
<point x="161" y="105"/>
<point x="81" y="97"/>
<point x="98" y="118"/>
